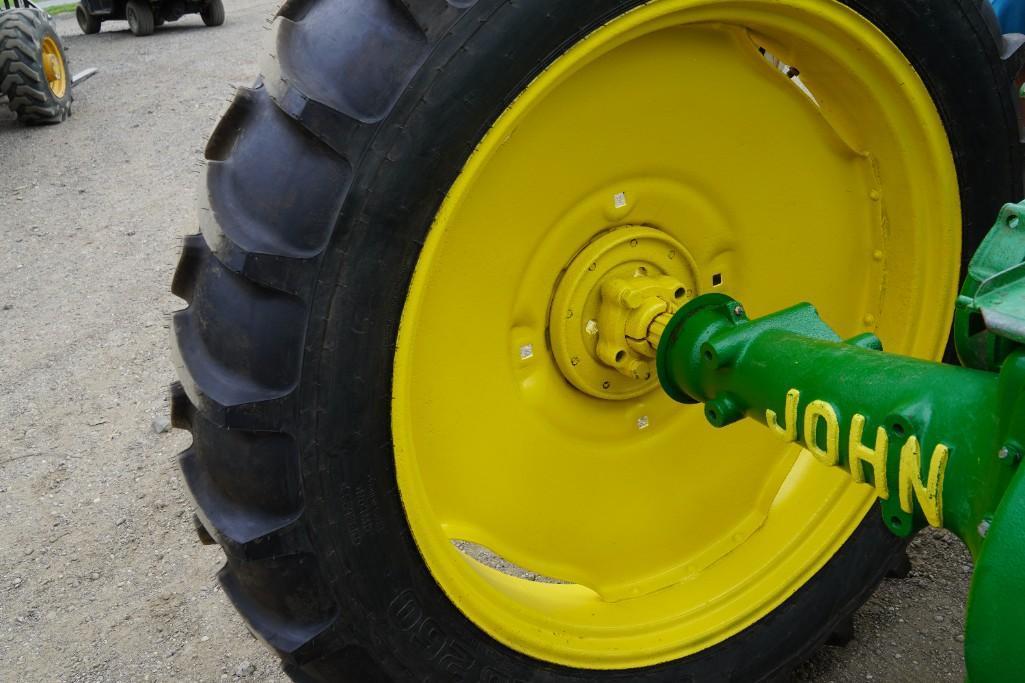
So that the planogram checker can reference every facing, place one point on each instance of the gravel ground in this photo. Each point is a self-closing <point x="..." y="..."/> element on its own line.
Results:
<point x="101" y="577"/>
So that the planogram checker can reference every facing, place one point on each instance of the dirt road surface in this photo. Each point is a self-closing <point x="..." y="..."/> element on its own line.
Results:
<point x="101" y="576"/>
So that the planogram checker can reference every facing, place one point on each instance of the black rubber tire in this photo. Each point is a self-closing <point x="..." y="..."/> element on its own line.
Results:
<point x="368" y="111"/>
<point x="213" y="13"/>
<point x="89" y="23"/>
<point x="22" y="77"/>
<point x="139" y="14"/>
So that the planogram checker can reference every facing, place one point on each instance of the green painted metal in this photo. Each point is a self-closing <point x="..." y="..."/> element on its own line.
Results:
<point x="990" y="319"/>
<point x="968" y="423"/>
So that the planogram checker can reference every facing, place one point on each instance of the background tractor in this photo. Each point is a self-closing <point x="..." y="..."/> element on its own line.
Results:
<point x="144" y="16"/>
<point x="34" y="75"/>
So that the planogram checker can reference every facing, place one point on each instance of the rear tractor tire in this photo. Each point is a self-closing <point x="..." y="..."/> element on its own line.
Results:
<point x="387" y="360"/>
<point x="139" y="14"/>
<point x="213" y="13"/>
<point x="33" y="68"/>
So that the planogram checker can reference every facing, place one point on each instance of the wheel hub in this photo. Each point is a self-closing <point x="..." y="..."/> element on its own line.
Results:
<point x="53" y="67"/>
<point x="605" y="302"/>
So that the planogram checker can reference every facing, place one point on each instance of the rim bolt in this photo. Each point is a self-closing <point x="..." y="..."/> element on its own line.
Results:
<point x="983" y="528"/>
<point x="643" y="422"/>
<point x="606" y="384"/>
<point x="526" y="352"/>
<point x="591" y="327"/>
<point x="738" y="310"/>
<point x="574" y="361"/>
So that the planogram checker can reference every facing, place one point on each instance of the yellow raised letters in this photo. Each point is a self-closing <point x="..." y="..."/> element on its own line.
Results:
<point x="820" y="411"/>
<point x="876" y="457"/>
<point x="930" y="494"/>
<point x="790" y="432"/>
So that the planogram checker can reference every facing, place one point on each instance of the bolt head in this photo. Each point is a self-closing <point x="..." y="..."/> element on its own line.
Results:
<point x="983" y="528"/>
<point x="526" y="352"/>
<point x="591" y="327"/>
<point x="1003" y="453"/>
<point x="643" y="422"/>
<point x="738" y="310"/>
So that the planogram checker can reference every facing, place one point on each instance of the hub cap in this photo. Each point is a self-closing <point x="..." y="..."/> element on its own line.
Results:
<point x="602" y="306"/>
<point x="53" y="67"/>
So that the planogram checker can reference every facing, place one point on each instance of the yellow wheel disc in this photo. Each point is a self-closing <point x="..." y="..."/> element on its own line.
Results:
<point x="53" y="67"/>
<point x="681" y="118"/>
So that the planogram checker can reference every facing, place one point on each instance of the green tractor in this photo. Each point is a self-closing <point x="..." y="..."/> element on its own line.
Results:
<point x="419" y="353"/>
<point x="34" y="74"/>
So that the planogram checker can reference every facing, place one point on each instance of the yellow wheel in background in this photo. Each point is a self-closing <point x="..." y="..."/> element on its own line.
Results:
<point x="834" y="186"/>
<point x="54" y="67"/>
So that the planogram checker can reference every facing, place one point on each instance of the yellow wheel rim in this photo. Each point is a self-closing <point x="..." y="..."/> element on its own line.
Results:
<point x="667" y="537"/>
<point x="53" y="67"/>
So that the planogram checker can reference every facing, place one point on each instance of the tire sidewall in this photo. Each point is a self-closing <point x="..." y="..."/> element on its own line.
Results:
<point x="374" y="568"/>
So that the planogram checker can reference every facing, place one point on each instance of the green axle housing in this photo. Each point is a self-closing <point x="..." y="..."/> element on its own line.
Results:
<point x="939" y="444"/>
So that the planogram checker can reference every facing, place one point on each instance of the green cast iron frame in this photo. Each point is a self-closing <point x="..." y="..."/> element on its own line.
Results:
<point x="940" y="444"/>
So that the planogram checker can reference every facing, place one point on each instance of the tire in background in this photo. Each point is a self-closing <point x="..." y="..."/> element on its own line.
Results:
<point x="213" y="13"/>
<point x="22" y="76"/>
<point x="286" y="392"/>
<point x="89" y="23"/>
<point x="140" y="17"/>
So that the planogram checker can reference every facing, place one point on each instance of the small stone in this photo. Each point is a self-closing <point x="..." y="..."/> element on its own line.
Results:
<point x="120" y="522"/>
<point x="16" y="582"/>
<point x="938" y="618"/>
<point x="245" y="670"/>
<point x="8" y="307"/>
<point x="959" y="638"/>
<point x="204" y="639"/>
<point x="161" y="424"/>
<point x="93" y="576"/>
